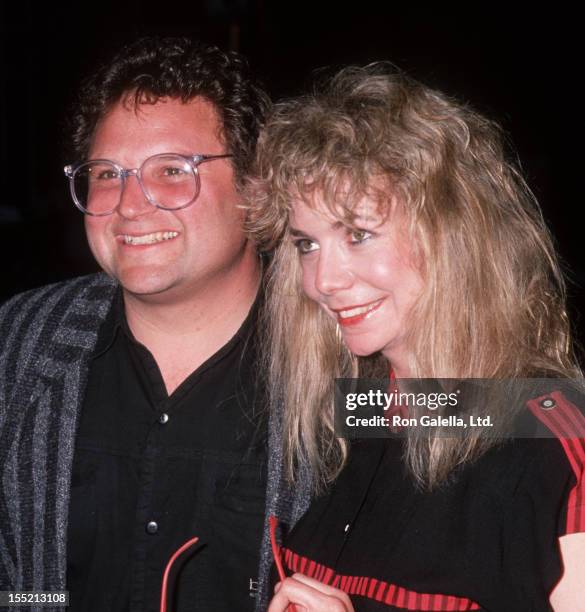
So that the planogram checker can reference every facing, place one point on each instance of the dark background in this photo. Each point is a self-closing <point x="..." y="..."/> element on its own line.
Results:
<point x="520" y="67"/>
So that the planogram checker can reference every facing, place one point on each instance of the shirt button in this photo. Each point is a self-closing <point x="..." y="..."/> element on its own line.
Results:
<point x="152" y="527"/>
<point x="548" y="403"/>
<point x="163" y="418"/>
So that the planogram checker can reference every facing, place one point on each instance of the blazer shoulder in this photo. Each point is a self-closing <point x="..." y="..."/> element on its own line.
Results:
<point x="90" y="285"/>
<point x="49" y="305"/>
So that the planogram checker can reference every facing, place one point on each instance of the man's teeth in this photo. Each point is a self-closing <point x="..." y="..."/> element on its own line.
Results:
<point x="150" y="238"/>
<point x="354" y="312"/>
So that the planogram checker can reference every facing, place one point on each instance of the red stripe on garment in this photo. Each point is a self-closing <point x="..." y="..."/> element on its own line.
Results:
<point x="391" y="594"/>
<point x="576" y="450"/>
<point x="317" y="574"/>
<point x="417" y="601"/>
<point x="378" y="590"/>
<point x="303" y="565"/>
<point x="364" y="589"/>
<point x="567" y="423"/>
<point x="411" y="601"/>
<point x="328" y="576"/>
<point x="382" y="586"/>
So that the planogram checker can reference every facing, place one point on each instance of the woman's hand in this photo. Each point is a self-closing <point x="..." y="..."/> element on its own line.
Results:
<point x="569" y="594"/>
<point x="308" y="595"/>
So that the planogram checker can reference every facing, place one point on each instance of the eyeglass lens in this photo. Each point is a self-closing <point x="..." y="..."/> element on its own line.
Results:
<point x="168" y="181"/>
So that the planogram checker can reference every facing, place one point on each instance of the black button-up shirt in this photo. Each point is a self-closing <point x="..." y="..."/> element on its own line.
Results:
<point x="152" y="471"/>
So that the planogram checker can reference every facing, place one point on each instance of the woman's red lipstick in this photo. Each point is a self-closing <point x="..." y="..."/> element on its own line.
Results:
<point x="362" y="311"/>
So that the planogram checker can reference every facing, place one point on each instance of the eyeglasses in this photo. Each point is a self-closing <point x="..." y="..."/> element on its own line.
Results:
<point x="168" y="180"/>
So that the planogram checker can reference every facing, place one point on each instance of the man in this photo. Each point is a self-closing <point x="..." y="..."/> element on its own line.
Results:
<point x="130" y="413"/>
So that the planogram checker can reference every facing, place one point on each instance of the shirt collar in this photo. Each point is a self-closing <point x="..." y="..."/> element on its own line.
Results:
<point x="112" y="324"/>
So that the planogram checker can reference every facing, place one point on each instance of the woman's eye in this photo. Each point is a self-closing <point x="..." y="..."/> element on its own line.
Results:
<point x="358" y="235"/>
<point x="304" y="246"/>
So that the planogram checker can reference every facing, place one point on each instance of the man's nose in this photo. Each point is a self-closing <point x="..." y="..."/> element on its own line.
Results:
<point x="333" y="271"/>
<point x="133" y="201"/>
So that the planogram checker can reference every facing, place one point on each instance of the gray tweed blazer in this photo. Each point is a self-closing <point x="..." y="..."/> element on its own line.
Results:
<point x="47" y="338"/>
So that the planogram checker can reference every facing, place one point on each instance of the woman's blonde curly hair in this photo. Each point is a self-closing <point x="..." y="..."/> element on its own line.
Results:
<point x="493" y="304"/>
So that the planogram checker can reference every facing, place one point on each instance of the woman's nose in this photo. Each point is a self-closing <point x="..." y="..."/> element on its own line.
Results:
<point x="333" y="273"/>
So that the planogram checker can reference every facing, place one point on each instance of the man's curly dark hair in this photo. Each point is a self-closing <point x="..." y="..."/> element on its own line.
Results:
<point x="154" y="67"/>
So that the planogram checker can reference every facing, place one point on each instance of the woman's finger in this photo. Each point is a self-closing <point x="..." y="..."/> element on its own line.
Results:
<point x="325" y="588"/>
<point x="309" y="595"/>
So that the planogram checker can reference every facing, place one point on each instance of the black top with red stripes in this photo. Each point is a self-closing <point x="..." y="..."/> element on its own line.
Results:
<point x="486" y="540"/>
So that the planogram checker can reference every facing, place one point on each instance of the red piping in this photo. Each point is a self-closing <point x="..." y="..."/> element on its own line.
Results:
<point x="177" y="553"/>
<point x="273" y="522"/>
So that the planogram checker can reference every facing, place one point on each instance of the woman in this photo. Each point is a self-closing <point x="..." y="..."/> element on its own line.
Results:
<point x="404" y="240"/>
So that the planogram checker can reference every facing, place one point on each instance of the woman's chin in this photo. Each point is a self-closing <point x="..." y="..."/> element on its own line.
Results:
<point x="362" y="350"/>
